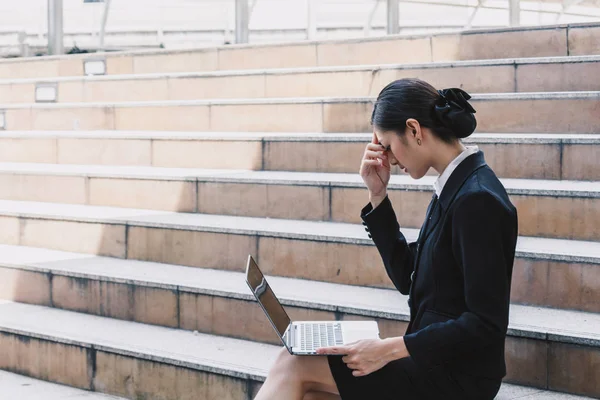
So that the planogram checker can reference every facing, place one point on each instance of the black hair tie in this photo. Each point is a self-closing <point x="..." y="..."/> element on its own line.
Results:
<point x="454" y="112"/>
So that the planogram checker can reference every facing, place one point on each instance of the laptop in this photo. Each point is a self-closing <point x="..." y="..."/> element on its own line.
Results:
<point x="304" y="337"/>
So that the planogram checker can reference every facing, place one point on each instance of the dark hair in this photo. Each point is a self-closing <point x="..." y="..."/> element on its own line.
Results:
<point x="446" y="112"/>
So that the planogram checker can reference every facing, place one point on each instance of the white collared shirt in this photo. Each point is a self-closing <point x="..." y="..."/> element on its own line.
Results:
<point x="441" y="181"/>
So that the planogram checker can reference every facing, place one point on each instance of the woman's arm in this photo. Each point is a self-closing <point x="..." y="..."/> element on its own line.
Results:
<point x="398" y="256"/>
<point x="484" y="233"/>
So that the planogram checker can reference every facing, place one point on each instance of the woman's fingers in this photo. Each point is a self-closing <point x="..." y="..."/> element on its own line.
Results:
<point x="367" y="165"/>
<point x="375" y="147"/>
<point x="341" y="350"/>
<point x="374" y="140"/>
<point x="369" y="154"/>
<point x="372" y="163"/>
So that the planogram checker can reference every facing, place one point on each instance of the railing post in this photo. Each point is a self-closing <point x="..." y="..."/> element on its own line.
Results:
<point x="103" y="26"/>
<point x="311" y="23"/>
<point x="514" y="10"/>
<point x="55" y="27"/>
<point x="242" y="17"/>
<point x="393" y="17"/>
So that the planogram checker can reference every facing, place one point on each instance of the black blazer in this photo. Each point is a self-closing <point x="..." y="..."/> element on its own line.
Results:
<point x="457" y="274"/>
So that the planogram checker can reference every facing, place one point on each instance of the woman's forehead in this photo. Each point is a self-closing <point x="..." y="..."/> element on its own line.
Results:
<point x="382" y="135"/>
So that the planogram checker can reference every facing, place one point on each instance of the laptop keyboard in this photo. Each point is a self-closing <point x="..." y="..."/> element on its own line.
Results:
<point x="313" y="336"/>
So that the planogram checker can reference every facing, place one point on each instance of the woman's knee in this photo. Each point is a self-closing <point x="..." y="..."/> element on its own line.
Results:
<point x="299" y="368"/>
<point x="286" y="365"/>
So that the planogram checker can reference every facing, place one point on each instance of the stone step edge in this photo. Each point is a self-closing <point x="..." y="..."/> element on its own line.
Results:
<point x="529" y="187"/>
<point x="342" y="303"/>
<point x="21" y="385"/>
<point x="310" y="70"/>
<point x="206" y="365"/>
<point x="257" y="374"/>
<point x="487" y="138"/>
<point x="146" y="52"/>
<point x="524" y="96"/>
<point x="132" y="217"/>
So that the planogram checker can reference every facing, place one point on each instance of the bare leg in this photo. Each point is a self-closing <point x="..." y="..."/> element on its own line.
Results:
<point x="292" y="377"/>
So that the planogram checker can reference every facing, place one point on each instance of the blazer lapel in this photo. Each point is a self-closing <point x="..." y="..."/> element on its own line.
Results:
<point x="428" y="216"/>
<point x="462" y="172"/>
<point x="455" y="182"/>
<point x="434" y="217"/>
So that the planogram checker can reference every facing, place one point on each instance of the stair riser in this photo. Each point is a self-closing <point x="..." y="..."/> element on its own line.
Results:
<point x="42" y="68"/>
<point x="518" y="116"/>
<point x="540" y="282"/>
<point x="519" y="160"/>
<point x="546" y="216"/>
<point x="531" y="362"/>
<point x="477" y="79"/>
<point x="545" y="42"/>
<point x="539" y="215"/>
<point x="112" y="373"/>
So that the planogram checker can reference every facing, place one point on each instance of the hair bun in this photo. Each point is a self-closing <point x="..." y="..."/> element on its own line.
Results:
<point x="454" y="112"/>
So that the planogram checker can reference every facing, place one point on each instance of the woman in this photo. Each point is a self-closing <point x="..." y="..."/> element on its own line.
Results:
<point x="457" y="274"/>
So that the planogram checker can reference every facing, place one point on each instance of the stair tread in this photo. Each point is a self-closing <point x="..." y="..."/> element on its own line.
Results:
<point x="235" y="357"/>
<point x="573" y="95"/>
<point x="25" y="388"/>
<point x="541" y="138"/>
<point x="210" y="353"/>
<point x="514" y="186"/>
<point x="525" y="321"/>
<point x="533" y="247"/>
<point x="319" y="69"/>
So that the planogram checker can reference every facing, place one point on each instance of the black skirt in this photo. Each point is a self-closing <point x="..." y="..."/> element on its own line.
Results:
<point x="404" y="380"/>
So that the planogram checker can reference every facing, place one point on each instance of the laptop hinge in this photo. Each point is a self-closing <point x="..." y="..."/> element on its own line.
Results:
<point x="291" y="333"/>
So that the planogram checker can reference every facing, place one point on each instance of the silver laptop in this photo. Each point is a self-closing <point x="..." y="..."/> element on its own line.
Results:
<point x="304" y="337"/>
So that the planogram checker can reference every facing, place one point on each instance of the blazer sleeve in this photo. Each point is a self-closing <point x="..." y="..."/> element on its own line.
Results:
<point x="397" y="255"/>
<point x="484" y="233"/>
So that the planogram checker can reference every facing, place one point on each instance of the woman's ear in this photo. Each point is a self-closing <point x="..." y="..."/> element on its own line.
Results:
<point x="414" y="128"/>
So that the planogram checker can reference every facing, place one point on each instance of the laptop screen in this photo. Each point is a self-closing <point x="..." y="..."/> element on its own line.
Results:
<point x="265" y="296"/>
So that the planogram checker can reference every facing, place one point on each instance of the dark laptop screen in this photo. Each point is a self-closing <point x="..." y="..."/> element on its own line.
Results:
<point x="265" y="296"/>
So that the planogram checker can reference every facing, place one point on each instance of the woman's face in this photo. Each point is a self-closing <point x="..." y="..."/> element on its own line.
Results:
<point x="405" y="152"/>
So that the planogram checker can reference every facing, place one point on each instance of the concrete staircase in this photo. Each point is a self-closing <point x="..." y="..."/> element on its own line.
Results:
<point x="129" y="205"/>
<point x="24" y="388"/>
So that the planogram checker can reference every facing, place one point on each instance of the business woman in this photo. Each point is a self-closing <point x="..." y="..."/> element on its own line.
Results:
<point x="457" y="274"/>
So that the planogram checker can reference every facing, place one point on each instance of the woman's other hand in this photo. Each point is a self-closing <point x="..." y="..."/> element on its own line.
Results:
<point x="375" y="171"/>
<point x="367" y="356"/>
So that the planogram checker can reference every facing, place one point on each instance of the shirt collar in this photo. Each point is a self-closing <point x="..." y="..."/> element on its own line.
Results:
<point x="441" y="181"/>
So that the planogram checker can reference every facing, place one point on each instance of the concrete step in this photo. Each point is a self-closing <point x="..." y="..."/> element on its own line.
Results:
<point x="166" y="363"/>
<point x="128" y="359"/>
<point x="495" y="76"/>
<point x="559" y="209"/>
<point x="549" y="272"/>
<point x="24" y="388"/>
<point x="500" y="112"/>
<point x="528" y="155"/>
<point x="546" y="41"/>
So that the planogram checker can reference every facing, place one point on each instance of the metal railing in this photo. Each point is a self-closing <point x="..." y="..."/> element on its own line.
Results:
<point x="244" y="10"/>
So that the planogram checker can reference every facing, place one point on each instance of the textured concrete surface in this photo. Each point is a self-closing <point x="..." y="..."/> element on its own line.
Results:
<point x="232" y="357"/>
<point x="18" y="387"/>
<point x="281" y="71"/>
<point x="530" y="247"/>
<point x="525" y="321"/>
<point x="534" y="187"/>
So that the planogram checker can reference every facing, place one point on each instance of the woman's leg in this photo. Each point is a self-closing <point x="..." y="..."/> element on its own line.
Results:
<point x="292" y="377"/>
